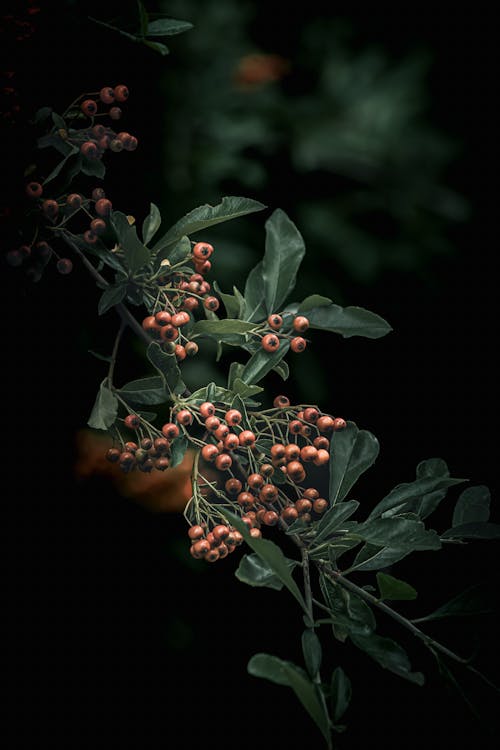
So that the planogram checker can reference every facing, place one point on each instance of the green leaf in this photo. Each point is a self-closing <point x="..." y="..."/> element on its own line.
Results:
<point x="206" y="216"/>
<point x="480" y="530"/>
<point x="398" y="532"/>
<point x="244" y="390"/>
<point x="157" y="47"/>
<point x="178" y="449"/>
<point x="262" y="362"/>
<point x="271" y="554"/>
<point x="472" y="505"/>
<point x="113" y="295"/>
<point x="285" y="673"/>
<point x="144" y="391"/>
<point x="348" y="321"/>
<point x="151" y="223"/>
<point x="313" y="301"/>
<point x="311" y="648"/>
<point x="389" y="654"/>
<point x="349" y="612"/>
<point x="405" y="497"/>
<point x="105" y="409"/>
<point x="93" y="168"/>
<point x="58" y="121"/>
<point x="255" y="305"/>
<point x="432" y="467"/>
<point x="234" y="303"/>
<point x="284" y="252"/>
<point x="282" y="369"/>
<point x="42" y="114"/>
<point x="235" y="371"/>
<point x="167" y="27"/>
<point x="352" y="452"/>
<point x="254" y="571"/>
<point x="394" y="589"/>
<point x="479" y="599"/>
<point x="143" y="17"/>
<point x="341" y="693"/>
<point x="73" y="154"/>
<point x="55" y="140"/>
<point x="181" y="251"/>
<point x="333" y="518"/>
<point x="373" y="557"/>
<point x="136" y="254"/>
<point x="166" y="364"/>
<point x="216" y="328"/>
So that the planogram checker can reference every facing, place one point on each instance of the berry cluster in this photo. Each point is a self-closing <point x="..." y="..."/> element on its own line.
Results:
<point x="270" y="341"/>
<point x="215" y="544"/>
<point x="147" y="454"/>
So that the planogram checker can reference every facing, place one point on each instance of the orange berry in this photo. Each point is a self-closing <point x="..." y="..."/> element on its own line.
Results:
<point x="298" y="344"/>
<point x="163" y="318"/>
<point x="300" y="324"/>
<point x="132" y="421"/>
<point x="207" y="409"/>
<point x="268" y="493"/>
<point x="325" y="424"/>
<point x="211" y="303"/>
<point x="233" y="417"/>
<point x="339" y="423"/>
<point x="231" y="442"/>
<point x="180" y="353"/>
<point x="271" y="518"/>
<point x="303" y="506"/>
<point x="223" y="462"/>
<point x="222" y="432"/>
<point x="281" y="402"/>
<point x="295" y="427"/>
<point x="212" y="423"/>
<point x="321" y="442"/>
<point x="292" y="452"/>
<point x="320" y="505"/>
<point x="311" y="414"/>
<point x="121" y="93"/>
<point x="275" y="322"/>
<point x="196" y="532"/>
<point x="322" y="458"/>
<point x="278" y="450"/>
<point x="311" y="493"/>
<point x="255" y="533"/>
<point x="245" y="499"/>
<point x="270" y="342"/>
<point x="184" y="417"/>
<point x="255" y="481"/>
<point x="170" y="430"/>
<point x="267" y="470"/>
<point x="180" y="319"/>
<point x="246" y="438"/>
<point x="209" y="452"/>
<point x="289" y="515"/>
<point x="202" y="250"/>
<point x="233" y="486"/>
<point x="89" y="107"/>
<point x="308" y="453"/>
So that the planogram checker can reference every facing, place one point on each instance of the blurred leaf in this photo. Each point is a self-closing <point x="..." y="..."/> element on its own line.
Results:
<point x="254" y="571"/>
<point x="389" y="654"/>
<point x="480" y="530"/>
<point x="105" y="409"/>
<point x="472" y="505"/>
<point x="352" y="452"/>
<point x="283" y="255"/>
<point x="394" y="589"/>
<point x="143" y="18"/>
<point x="178" y="449"/>
<point x="157" y="47"/>
<point x="479" y="599"/>
<point x="167" y="27"/>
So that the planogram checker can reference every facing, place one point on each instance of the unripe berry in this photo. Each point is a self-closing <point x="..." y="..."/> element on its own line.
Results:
<point x="132" y="421"/>
<point x="74" y="201"/>
<point x="50" y="208"/>
<point x="163" y="318"/>
<point x="209" y="452"/>
<point x="90" y="237"/>
<point x="281" y="402"/>
<point x="275" y="322"/>
<point x="211" y="303"/>
<point x="339" y="423"/>
<point x="223" y="462"/>
<point x="320" y="505"/>
<point x="233" y="486"/>
<point x="270" y="342"/>
<point x="322" y="457"/>
<point x="308" y="453"/>
<point x="116" y="145"/>
<point x="103" y="207"/>
<point x="207" y="409"/>
<point x="292" y="452"/>
<point x="121" y="93"/>
<point x="98" y="226"/>
<point x="298" y="344"/>
<point x="169" y="333"/>
<point x="255" y="481"/>
<point x="196" y="532"/>
<point x="325" y="424"/>
<point x="180" y="319"/>
<point x="300" y="324"/>
<point x="191" y="348"/>
<point x="233" y="416"/>
<point x="124" y="138"/>
<point x="212" y="423"/>
<point x="311" y="414"/>
<point x="231" y="442"/>
<point x="246" y="438"/>
<point x="34" y="190"/>
<point x="64" y="266"/>
<point x="115" y="113"/>
<point x="170" y="430"/>
<point x="89" y="107"/>
<point x="202" y="250"/>
<point x="89" y="150"/>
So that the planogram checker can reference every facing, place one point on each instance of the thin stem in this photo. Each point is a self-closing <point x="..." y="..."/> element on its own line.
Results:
<point x="114" y="353"/>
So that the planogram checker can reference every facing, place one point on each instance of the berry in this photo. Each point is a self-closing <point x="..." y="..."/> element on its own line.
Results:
<point x="303" y="506"/>
<point x="220" y="532"/>
<point x="50" y="208"/>
<point x="212" y="555"/>
<point x="231" y="442"/>
<point x="113" y="455"/>
<point x="98" y="193"/>
<point x="233" y="486"/>
<point x="131" y="447"/>
<point x="25" y="251"/>
<point x="321" y="442"/>
<point x="281" y="402"/>
<point x="246" y="438"/>
<point x="292" y="452"/>
<point x="132" y="143"/>
<point x="233" y="417"/>
<point x="150" y="325"/>
<point x="121" y="93"/>
<point x="103" y="207"/>
<point x="99" y="131"/>
<point x="180" y="319"/>
<point x="211" y="303"/>
<point x="89" y="107"/>
<point x="223" y="462"/>
<point x="289" y="515"/>
<point x="223" y="550"/>
<point x="196" y="532"/>
<point x="115" y="113"/>
<point x="163" y="318"/>
<point x="275" y="322"/>
<point x="325" y="424"/>
<point x="201" y="548"/>
<point x="14" y="258"/>
<point x="161" y="445"/>
<point x="298" y="344"/>
<point x="311" y="493"/>
<point x="90" y="237"/>
<point x="203" y="267"/>
<point x="64" y="266"/>
<point x="180" y="353"/>
<point x="245" y="499"/>
<point x="146" y="444"/>
<point x="295" y="470"/>
<point x="190" y="303"/>
<point x="209" y="452"/>
<point x="98" y="226"/>
<point x="270" y="342"/>
<point x="191" y="348"/>
<point x="116" y="145"/>
<point x="255" y="533"/>
<point x="322" y="457"/>
<point x="271" y="518"/>
<point x="43" y="250"/>
<point x="124" y="138"/>
<point x="308" y="453"/>
<point x="170" y="430"/>
<point x="34" y="190"/>
<point x="305" y="430"/>
<point x="162" y="463"/>
<point x="311" y="414"/>
<point x="339" y="423"/>
<point x="202" y="250"/>
<point x="278" y="450"/>
<point x="74" y="200"/>
<point x="132" y="421"/>
<point x="268" y="493"/>
<point x="320" y="505"/>
<point x="169" y="333"/>
<point x="267" y="470"/>
<point x="207" y="409"/>
<point x="300" y="324"/>
<point x="222" y="432"/>
<point x="295" y="427"/>
<point x="212" y="423"/>
<point x="255" y="481"/>
<point x="107" y="95"/>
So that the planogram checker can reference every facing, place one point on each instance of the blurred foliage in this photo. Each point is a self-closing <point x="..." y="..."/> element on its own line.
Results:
<point x="334" y="132"/>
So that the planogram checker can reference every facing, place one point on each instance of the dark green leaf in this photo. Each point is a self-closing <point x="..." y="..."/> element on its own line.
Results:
<point x="255" y="306"/>
<point x="480" y="599"/>
<point x="244" y="390"/>
<point x="143" y="17"/>
<point x="348" y="321"/>
<point x="405" y="497"/>
<point x="105" y="409"/>
<point x="432" y="467"/>
<point x="263" y="362"/>
<point x="145" y="391"/>
<point x="181" y="251"/>
<point x="166" y="364"/>
<point x="254" y="571"/>
<point x="352" y="452"/>
<point x="389" y="654"/>
<point x="394" y="589"/>
<point x="333" y="519"/>
<point x="149" y="416"/>
<point x="285" y="673"/>
<point x="167" y="27"/>
<point x="480" y="530"/>
<point x="178" y="449"/>
<point x="151" y="223"/>
<point x="216" y="328"/>
<point x="341" y="693"/>
<point x="282" y="369"/>
<point x="398" y="532"/>
<point x="113" y="295"/>
<point x="136" y="254"/>
<point x="311" y="648"/>
<point x="373" y="557"/>
<point x="235" y="371"/>
<point x="283" y="256"/>
<point x="349" y="612"/>
<point x="74" y="155"/>
<point x="157" y="47"/>
<point x="55" y="140"/>
<point x="206" y="216"/>
<point x="211" y="392"/>
<point x="313" y="301"/>
<point x="271" y="554"/>
<point x="472" y="505"/>
<point x="58" y="121"/>
<point x="42" y="114"/>
<point x="93" y="168"/>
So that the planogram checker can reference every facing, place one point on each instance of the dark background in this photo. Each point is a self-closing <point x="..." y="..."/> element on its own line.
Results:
<point x="116" y="635"/>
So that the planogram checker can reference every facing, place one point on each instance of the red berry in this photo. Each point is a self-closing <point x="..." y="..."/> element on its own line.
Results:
<point x="255" y="481"/>
<point x="210" y="452"/>
<point x="162" y="463"/>
<point x="220" y="532"/>
<point x="212" y="555"/>
<point x="267" y="470"/>
<point x="50" y="208"/>
<point x="322" y="458"/>
<point x="170" y="430"/>
<point x="308" y="453"/>
<point x="115" y="113"/>
<point x="163" y="318"/>
<point x="233" y="417"/>
<point x="169" y="333"/>
<point x="98" y="226"/>
<point x="161" y="445"/>
<point x="34" y="190"/>
<point x="325" y="424"/>
<point x="295" y="470"/>
<point x="190" y="303"/>
<point x="99" y="131"/>
<point x="300" y="324"/>
<point x="311" y="493"/>
<point x="90" y="237"/>
<point x="292" y="452"/>
<point x="289" y="515"/>
<point x="231" y="442"/>
<point x="180" y="319"/>
<point x="64" y="266"/>
<point x="132" y="143"/>
<point x="275" y="322"/>
<point x="270" y="342"/>
<point x="180" y="353"/>
<point x="311" y="414"/>
<point x="89" y="107"/>
<point x="320" y="505"/>
<point x="305" y="430"/>
<point x="203" y="267"/>
<point x="339" y="423"/>
<point x="103" y="207"/>
<point x="121" y="93"/>
<point x="321" y="442"/>
<point x="196" y="532"/>
<point x="113" y="455"/>
<point x="246" y="499"/>
<point x="201" y="547"/>
<point x="207" y="409"/>
<point x="74" y="200"/>
<point x="211" y="303"/>
<point x="223" y="461"/>
<point x="268" y="493"/>
<point x="295" y="427"/>
<point x="202" y="250"/>
<point x="271" y="518"/>
<point x="222" y="432"/>
<point x="150" y="325"/>
<point x="132" y="421"/>
<point x="303" y="506"/>
<point x="281" y="402"/>
<point x="246" y="438"/>
<point x="255" y="533"/>
<point x="212" y="423"/>
<point x="298" y="344"/>
<point x="43" y="250"/>
<point x="278" y="450"/>
<point x="233" y="486"/>
<point x="107" y="95"/>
